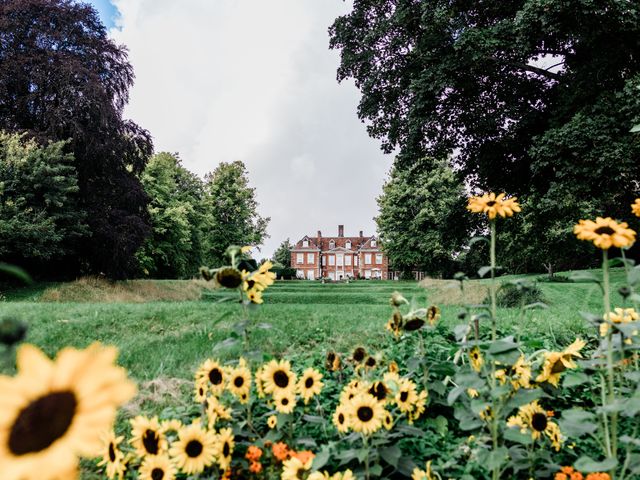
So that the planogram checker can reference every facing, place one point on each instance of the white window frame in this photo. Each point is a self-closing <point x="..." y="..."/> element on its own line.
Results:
<point x="305" y="243"/>
<point x="340" y="259"/>
<point x="311" y="258"/>
<point x="299" y="258"/>
<point x="332" y="244"/>
<point x="348" y="244"/>
<point x="356" y="260"/>
<point x="373" y="243"/>
<point x="299" y="273"/>
<point x="378" y="259"/>
<point x="367" y="259"/>
<point x="347" y="260"/>
<point x="324" y="260"/>
<point x="332" y="260"/>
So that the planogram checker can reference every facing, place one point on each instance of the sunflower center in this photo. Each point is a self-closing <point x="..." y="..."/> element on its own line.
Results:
<point x="404" y="396"/>
<point x="358" y="354"/>
<point x="558" y="367"/>
<point x="281" y="379"/>
<point x="341" y="418"/>
<point x="112" y="452"/>
<point x="365" y="413"/>
<point x="157" y="474"/>
<point x="215" y="376"/>
<point x="379" y="391"/>
<point x="150" y="441"/>
<point x="226" y="449"/>
<point x="604" y="230"/>
<point x="238" y="382"/>
<point x="194" y="448"/>
<point x="491" y="203"/>
<point x="250" y="284"/>
<point x="371" y="362"/>
<point x="539" y="421"/>
<point x="42" y="422"/>
<point x="285" y="401"/>
<point x="308" y="383"/>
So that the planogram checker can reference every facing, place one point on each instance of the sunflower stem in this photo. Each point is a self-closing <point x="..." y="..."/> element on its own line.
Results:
<point x="611" y="394"/>
<point x="492" y="254"/>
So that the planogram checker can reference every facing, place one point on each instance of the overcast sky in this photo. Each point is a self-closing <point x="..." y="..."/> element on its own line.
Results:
<point x="254" y="80"/>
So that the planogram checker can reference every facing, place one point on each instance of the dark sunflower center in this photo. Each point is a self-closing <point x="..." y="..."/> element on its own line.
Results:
<point x="150" y="441"/>
<point x="491" y="203"/>
<point x="201" y="391"/>
<point x="229" y="278"/>
<point x="365" y="413"/>
<point x="42" y="422"/>
<point x="194" y="448"/>
<point x="371" y="362"/>
<point x="226" y="449"/>
<point x="539" y="421"/>
<point x="238" y="381"/>
<point x="340" y="418"/>
<point x="112" y="452"/>
<point x="250" y="284"/>
<point x="358" y="354"/>
<point x="379" y="391"/>
<point x="285" y="401"/>
<point x="558" y="367"/>
<point x="604" y="231"/>
<point x="157" y="474"/>
<point x="281" y="379"/>
<point x="215" y="376"/>
<point x="404" y="396"/>
<point x="308" y="383"/>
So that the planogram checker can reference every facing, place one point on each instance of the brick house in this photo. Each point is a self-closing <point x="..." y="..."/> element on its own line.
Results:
<point x="339" y="257"/>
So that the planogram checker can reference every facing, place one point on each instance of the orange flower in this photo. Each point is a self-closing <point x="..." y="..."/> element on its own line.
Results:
<point x="304" y="456"/>
<point x="255" y="467"/>
<point x="253" y="453"/>
<point x="598" y="476"/>
<point x="280" y="451"/>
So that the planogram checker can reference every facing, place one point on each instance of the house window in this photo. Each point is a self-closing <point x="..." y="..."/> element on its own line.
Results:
<point x="299" y="257"/>
<point x="347" y="259"/>
<point x="332" y="260"/>
<point x="348" y="244"/>
<point x="373" y="243"/>
<point x="340" y="257"/>
<point x="324" y="260"/>
<point x="379" y="258"/>
<point x="299" y="273"/>
<point x="305" y="243"/>
<point x="311" y="258"/>
<point x="355" y="260"/>
<point x="367" y="259"/>
<point x="332" y="244"/>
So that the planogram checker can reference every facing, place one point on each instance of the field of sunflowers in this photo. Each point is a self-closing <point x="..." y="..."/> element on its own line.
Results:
<point x="466" y="397"/>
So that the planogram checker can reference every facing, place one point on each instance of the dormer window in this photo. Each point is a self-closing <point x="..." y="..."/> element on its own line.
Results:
<point x="373" y="243"/>
<point x="348" y="244"/>
<point x="305" y="243"/>
<point x="332" y="245"/>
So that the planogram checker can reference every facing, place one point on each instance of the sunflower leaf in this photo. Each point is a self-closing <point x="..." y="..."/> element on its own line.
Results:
<point x="321" y="459"/>
<point x="587" y="464"/>
<point x="573" y="378"/>
<point x="515" y="435"/>
<point x="391" y="455"/>
<point x="577" y="422"/>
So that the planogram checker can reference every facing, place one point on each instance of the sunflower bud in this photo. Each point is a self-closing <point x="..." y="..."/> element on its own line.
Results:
<point x="397" y="299"/>
<point x="206" y="273"/>
<point x="359" y="354"/>
<point x="12" y="331"/>
<point x="229" y="277"/>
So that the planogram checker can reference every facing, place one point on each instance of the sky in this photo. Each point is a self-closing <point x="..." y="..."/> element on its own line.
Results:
<point x="254" y="80"/>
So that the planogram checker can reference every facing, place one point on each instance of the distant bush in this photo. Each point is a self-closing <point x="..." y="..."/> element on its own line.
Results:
<point x="285" y="273"/>
<point x="554" y="279"/>
<point x="511" y="295"/>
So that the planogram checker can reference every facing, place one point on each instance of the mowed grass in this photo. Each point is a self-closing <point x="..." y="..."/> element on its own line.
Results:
<point x="169" y="339"/>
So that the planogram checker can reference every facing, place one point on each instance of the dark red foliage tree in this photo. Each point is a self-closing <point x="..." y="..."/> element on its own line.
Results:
<point x="61" y="77"/>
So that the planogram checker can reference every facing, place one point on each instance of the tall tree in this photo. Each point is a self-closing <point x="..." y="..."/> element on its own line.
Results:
<point x="62" y="78"/>
<point x="176" y="210"/>
<point x="422" y="219"/>
<point x="282" y="255"/>
<point x="231" y="211"/>
<point x="40" y="218"/>
<point x="535" y="98"/>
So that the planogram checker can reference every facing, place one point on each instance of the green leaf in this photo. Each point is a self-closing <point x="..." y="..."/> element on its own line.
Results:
<point x="635" y="129"/>
<point x="391" y="455"/>
<point x="484" y="270"/>
<point x="475" y="240"/>
<point x="515" y="435"/>
<point x="533" y="306"/>
<point x="454" y="394"/>
<point x="588" y="465"/>
<point x="503" y="345"/>
<point x="313" y="419"/>
<point x="497" y="458"/>
<point x="523" y="396"/>
<point x="634" y="275"/>
<point x="574" y="378"/>
<point x="15" y="272"/>
<point x="577" y="422"/>
<point x="321" y="459"/>
<point x="583" y="276"/>
<point x="226" y="343"/>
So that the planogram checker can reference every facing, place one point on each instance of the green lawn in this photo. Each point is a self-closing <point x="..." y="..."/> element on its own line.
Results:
<point x="169" y="339"/>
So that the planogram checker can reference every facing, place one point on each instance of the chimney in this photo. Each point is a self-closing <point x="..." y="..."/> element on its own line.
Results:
<point x="360" y="233"/>
<point x="319" y="234"/>
<point x="341" y="230"/>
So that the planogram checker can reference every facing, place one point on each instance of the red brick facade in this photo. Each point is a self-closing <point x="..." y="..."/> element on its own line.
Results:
<point x="340" y="257"/>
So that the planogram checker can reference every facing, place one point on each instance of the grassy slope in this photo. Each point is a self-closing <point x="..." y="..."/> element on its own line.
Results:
<point x="169" y="339"/>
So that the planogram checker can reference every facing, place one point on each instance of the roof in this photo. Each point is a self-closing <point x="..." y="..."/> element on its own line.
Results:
<point x="323" y="243"/>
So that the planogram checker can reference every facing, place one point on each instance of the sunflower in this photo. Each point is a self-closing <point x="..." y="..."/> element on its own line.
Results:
<point x="216" y="411"/>
<point x="294" y="468"/>
<point x="359" y="354"/>
<point x="635" y="207"/>
<point x="557" y="362"/>
<point x="387" y="420"/>
<point x="224" y="447"/>
<point x="272" y="421"/>
<point x="619" y="315"/>
<point x="333" y="362"/>
<point x="365" y="414"/>
<point x="407" y="395"/>
<point x="147" y="436"/>
<point x="255" y="296"/>
<point x="171" y="425"/>
<point x="51" y="412"/>
<point x="494" y="205"/>
<point x="310" y="384"/>
<point x="419" y="406"/>
<point x="201" y="390"/>
<point x="240" y="381"/>
<point x="427" y="474"/>
<point x="157" y="468"/>
<point x="605" y="233"/>
<point x="341" y="418"/>
<point x="195" y="448"/>
<point x="285" y="401"/>
<point x="412" y="321"/>
<point x="112" y="457"/>
<point x="370" y="362"/>
<point x="353" y="388"/>
<point x="228" y="277"/>
<point x="277" y="376"/>
<point x="534" y="418"/>
<point x="380" y="391"/>
<point x="476" y="359"/>
<point x="519" y="374"/>
<point x="394" y="325"/>
<point x="433" y="315"/>
<point x="213" y="373"/>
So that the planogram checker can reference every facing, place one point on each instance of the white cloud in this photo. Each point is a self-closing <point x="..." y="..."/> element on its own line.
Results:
<point x="254" y="80"/>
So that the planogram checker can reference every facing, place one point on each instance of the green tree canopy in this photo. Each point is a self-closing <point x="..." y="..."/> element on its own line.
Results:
<point x="40" y="216"/>
<point x="176" y="211"/>
<point x="422" y="217"/>
<point x="282" y="255"/>
<point x="231" y="212"/>
<point x="534" y="97"/>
